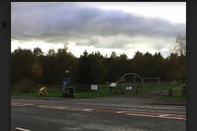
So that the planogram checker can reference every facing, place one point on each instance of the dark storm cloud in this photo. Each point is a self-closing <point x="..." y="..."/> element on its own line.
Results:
<point x="60" y="22"/>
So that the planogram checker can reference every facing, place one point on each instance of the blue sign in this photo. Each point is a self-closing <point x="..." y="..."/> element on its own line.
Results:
<point x="64" y="82"/>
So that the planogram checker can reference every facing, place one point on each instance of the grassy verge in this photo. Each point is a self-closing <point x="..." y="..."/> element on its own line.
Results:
<point x="174" y="98"/>
<point x="104" y="92"/>
<point x="58" y="93"/>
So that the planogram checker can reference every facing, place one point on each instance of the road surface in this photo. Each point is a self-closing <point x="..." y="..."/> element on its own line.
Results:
<point x="109" y="114"/>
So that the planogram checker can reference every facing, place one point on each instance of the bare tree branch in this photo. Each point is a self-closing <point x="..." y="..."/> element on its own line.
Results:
<point x="180" y="44"/>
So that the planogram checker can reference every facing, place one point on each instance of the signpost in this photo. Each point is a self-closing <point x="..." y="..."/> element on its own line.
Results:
<point x="94" y="87"/>
<point x="67" y="91"/>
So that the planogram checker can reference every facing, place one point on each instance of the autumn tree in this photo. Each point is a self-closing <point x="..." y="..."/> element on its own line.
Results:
<point x="65" y="60"/>
<point x="21" y="64"/>
<point x="176" y="61"/>
<point x="176" y="67"/>
<point x="48" y="64"/>
<point x="37" y="72"/>
<point x="94" y="68"/>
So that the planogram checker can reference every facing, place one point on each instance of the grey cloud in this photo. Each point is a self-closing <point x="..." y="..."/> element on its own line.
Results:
<point x="59" y="22"/>
<point x="115" y="42"/>
<point x="80" y="43"/>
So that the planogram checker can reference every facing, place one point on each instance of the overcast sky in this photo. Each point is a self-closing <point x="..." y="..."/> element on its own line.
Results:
<point x="124" y="27"/>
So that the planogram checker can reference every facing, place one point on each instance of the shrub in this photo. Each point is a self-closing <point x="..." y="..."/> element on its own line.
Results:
<point x="25" y="86"/>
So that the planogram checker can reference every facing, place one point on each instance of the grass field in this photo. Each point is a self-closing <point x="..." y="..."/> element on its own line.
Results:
<point x="104" y="91"/>
<point x="58" y="93"/>
<point x="159" y="88"/>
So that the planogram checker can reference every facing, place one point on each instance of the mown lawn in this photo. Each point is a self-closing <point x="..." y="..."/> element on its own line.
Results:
<point x="174" y="98"/>
<point x="58" y="93"/>
<point x="104" y="91"/>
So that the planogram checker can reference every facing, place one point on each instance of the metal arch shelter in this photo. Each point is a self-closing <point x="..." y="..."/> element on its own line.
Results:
<point x="135" y="75"/>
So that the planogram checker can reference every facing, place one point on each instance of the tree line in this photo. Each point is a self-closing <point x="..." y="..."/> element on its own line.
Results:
<point x="93" y="68"/>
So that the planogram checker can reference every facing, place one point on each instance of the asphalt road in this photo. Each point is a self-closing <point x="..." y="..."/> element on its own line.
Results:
<point x="100" y="114"/>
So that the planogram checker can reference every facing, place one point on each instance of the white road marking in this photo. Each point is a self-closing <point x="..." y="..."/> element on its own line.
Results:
<point x="51" y="107"/>
<point x="28" y="104"/>
<point x="141" y="115"/>
<point x="177" y="118"/>
<point x="88" y="109"/>
<point x="67" y="108"/>
<point x="164" y="115"/>
<point x="121" y="111"/>
<point x="22" y="129"/>
<point x="43" y="106"/>
<point x="60" y="107"/>
<point x="160" y="116"/>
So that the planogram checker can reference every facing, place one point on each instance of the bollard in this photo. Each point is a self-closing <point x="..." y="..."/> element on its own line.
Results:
<point x="183" y="91"/>
<point x="136" y="90"/>
<point x="170" y="92"/>
<point x="70" y="92"/>
<point x="65" y="93"/>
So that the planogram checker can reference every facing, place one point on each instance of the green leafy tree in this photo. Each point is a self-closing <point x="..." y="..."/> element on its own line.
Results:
<point x="160" y="66"/>
<point x="97" y="67"/>
<point x="138" y="64"/>
<point x="49" y="64"/>
<point x="84" y="75"/>
<point x="116" y="66"/>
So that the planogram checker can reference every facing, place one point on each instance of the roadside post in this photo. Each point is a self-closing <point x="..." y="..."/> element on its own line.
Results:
<point x="137" y="90"/>
<point x="68" y="91"/>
